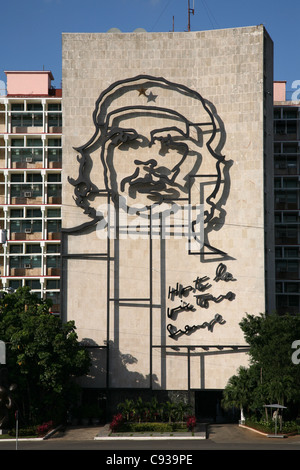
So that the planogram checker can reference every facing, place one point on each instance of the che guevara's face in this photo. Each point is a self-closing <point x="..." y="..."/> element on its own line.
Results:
<point x="149" y="158"/>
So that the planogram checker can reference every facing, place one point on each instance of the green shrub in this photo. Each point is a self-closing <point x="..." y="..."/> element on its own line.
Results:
<point x="269" y="427"/>
<point x="30" y="431"/>
<point x="157" y="427"/>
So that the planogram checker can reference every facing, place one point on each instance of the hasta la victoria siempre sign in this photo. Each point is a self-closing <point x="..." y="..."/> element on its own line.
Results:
<point x="202" y="300"/>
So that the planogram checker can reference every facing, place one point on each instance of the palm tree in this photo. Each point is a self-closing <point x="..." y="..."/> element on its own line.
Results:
<point x="170" y="410"/>
<point x="236" y="392"/>
<point x="181" y="409"/>
<point x="127" y="407"/>
<point x="139" y="408"/>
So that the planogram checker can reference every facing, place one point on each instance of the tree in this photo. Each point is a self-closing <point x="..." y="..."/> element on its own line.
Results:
<point x="43" y="356"/>
<point x="270" y="338"/>
<point x="243" y="390"/>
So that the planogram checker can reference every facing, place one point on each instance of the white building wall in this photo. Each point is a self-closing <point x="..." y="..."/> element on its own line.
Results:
<point x="103" y="282"/>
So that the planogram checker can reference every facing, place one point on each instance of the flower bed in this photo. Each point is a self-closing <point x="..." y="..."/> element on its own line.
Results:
<point x="152" y="417"/>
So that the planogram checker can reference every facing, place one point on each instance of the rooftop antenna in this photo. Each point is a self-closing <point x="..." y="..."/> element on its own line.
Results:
<point x="173" y="25"/>
<point x="190" y="10"/>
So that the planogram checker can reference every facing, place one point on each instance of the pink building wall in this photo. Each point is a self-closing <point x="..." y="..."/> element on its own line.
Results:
<point x="28" y="83"/>
<point x="279" y="90"/>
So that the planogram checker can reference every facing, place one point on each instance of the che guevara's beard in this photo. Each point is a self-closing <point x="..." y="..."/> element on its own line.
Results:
<point x="153" y="182"/>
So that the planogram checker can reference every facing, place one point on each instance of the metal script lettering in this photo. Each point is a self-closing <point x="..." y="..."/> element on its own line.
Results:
<point x="203" y="299"/>
<point x="222" y="274"/>
<point x="174" y="333"/>
<point x="183" y="306"/>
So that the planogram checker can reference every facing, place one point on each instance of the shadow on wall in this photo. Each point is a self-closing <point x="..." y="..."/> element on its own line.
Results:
<point x="102" y="355"/>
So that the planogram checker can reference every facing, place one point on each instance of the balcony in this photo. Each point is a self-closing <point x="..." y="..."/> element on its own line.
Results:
<point x="25" y="265"/>
<point x="26" y="235"/>
<point x="54" y="236"/>
<point x="23" y="194"/>
<point x="25" y="271"/>
<point x="53" y="272"/>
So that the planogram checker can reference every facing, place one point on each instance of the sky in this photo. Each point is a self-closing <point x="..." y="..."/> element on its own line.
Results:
<point x="31" y="30"/>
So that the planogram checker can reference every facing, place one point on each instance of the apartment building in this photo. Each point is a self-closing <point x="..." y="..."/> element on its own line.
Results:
<point x="287" y="199"/>
<point x="30" y="184"/>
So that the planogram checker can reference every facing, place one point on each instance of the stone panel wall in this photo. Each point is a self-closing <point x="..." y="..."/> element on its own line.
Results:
<point x="117" y="290"/>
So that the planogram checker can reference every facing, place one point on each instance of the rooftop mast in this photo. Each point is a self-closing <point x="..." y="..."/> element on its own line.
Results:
<point x="190" y="10"/>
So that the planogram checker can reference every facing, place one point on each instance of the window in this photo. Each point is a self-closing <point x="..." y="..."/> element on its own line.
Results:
<point x="34" y="248"/>
<point x="34" y="107"/>
<point x="36" y="226"/>
<point x="291" y="252"/>
<point x="54" y="296"/>
<point x="16" y="248"/>
<point x="34" y="177"/>
<point x="15" y="226"/>
<point x="34" y="284"/>
<point x="54" y="106"/>
<point x="53" y="213"/>
<point x="54" y="142"/>
<point x="21" y="226"/>
<point x="53" y="261"/>
<point x="31" y="213"/>
<point x="277" y="113"/>
<point x="54" y="190"/>
<point x="17" y="143"/>
<point x="290" y="183"/>
<point x="24" y="261"/>
<point x="292" y="287"/>
<point x="54" y="119"/>
<point x="16" y="213"/>
<point x="22" y="119"/>
<point x="17" y="178"/>
<point x="53" y="248"/>
<point x="292" y="218"/>
<point x="290" y="113"/>
<point x="15" y="284"/>
<point x="54" y="155"/>
<point x="54" y="225"/>
<point x="17" y="106"/>
<point x="53" y="284"/>
<point x="279" y="288"/>
<point x="287" y="266"/>
<point x="35" y="261"/>
<point x="54" y="177"/>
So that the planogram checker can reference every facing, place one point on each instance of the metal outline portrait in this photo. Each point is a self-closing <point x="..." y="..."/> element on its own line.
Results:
<point x="84" y="187"/>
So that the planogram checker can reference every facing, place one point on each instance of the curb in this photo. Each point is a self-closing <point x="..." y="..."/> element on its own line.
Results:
<point x="252" y="429"/>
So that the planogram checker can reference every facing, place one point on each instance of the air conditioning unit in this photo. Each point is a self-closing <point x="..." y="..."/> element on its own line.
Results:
<point x="28" y="194"/>
<point x="29" y="159"/>
<point x="28" y="230"/>
<point x="27" y="266"/>
<point x="3" y="236"/>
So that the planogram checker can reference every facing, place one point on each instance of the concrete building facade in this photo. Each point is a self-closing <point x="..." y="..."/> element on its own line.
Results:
<point x="167" y="180"/>
<point x="30" y="184"/>
<point x="287" y="202"/>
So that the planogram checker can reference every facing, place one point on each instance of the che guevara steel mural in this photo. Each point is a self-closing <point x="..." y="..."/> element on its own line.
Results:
<point x="161" y="152"/>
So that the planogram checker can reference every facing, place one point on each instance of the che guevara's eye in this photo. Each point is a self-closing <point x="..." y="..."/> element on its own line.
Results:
<point x="121" y="136"/>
